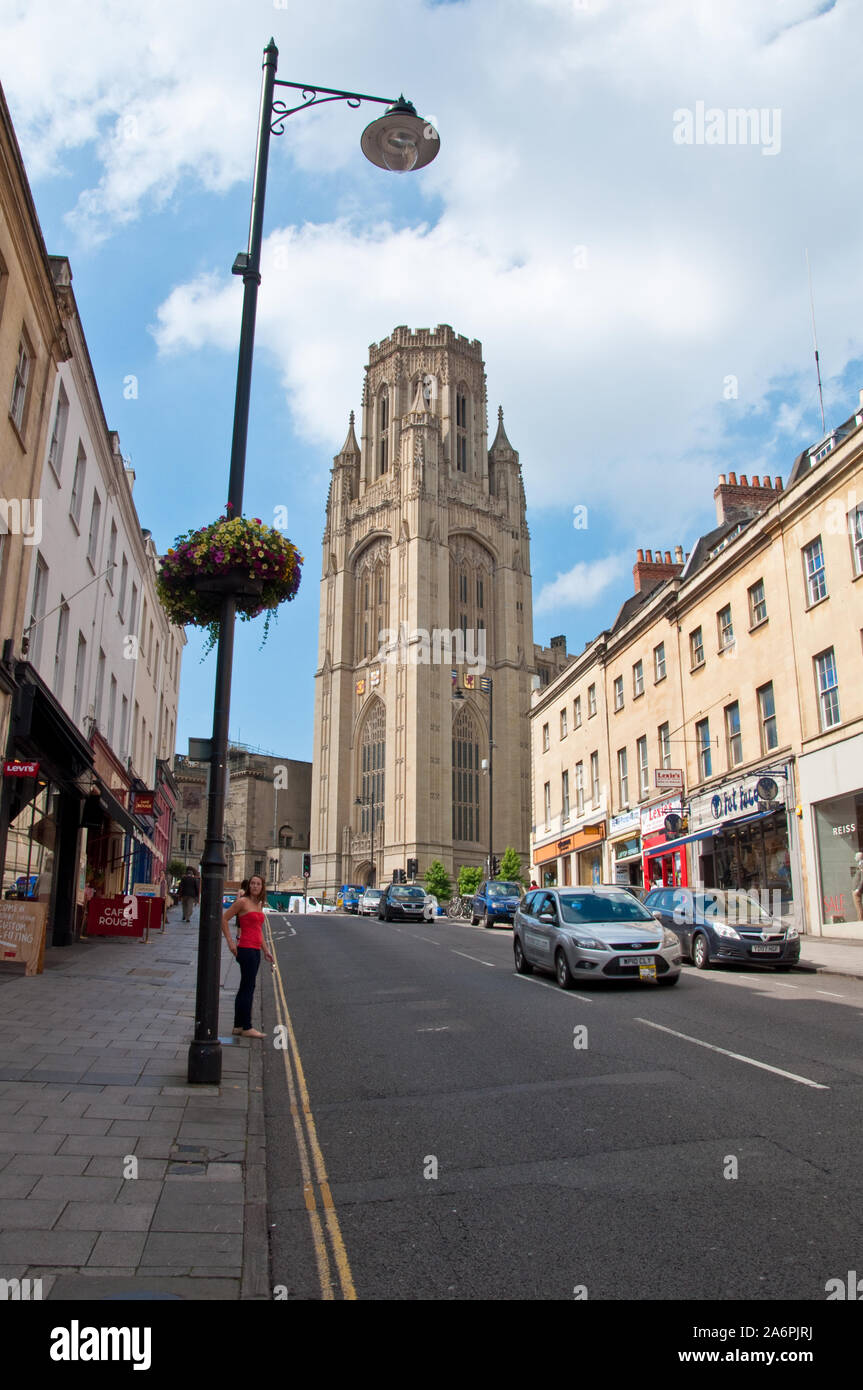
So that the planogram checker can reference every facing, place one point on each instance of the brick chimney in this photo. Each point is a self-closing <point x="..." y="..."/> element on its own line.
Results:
<point x="647" y="569"/>
<point x="740" y="501"/>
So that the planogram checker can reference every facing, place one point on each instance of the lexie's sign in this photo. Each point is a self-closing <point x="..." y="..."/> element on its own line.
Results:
<point x="20" y="769"/>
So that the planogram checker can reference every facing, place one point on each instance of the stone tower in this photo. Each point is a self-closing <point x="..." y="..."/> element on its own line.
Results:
<point x="425" y="589"/>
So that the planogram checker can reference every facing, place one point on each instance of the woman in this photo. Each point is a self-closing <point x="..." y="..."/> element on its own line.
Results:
<point x="248" y="910"/>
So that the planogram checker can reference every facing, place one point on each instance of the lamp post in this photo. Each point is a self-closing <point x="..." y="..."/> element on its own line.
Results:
<point x="400" y="141"/>
<point x="369" y="801"/>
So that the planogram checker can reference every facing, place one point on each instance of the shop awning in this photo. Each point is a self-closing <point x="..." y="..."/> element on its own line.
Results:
<point x="666" y="845"/>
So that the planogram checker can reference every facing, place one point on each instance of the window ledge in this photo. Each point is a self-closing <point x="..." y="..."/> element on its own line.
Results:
<point x="699" y="666"/>
<point x="729" y="647"/>
<point x="638" y="694"/>
<point x="74" y="522"/>
<point x="658" y="679"/>
<point x="761" y="623"/>
<point x="817" y="602"/>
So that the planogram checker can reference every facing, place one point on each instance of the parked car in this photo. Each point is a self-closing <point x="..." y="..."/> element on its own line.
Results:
<point x="369" y="901"/>
<point x="404" y="902"/>
<point x="716" y="925"/>
<point x="593" y="933"/>
<point x="495" y="902"/>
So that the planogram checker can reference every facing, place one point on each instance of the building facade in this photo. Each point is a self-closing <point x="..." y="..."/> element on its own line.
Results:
<point x="713" y="734"/>
<point x="425" y="593"/>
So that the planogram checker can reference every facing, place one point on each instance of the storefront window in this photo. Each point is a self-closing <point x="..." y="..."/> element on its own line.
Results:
<point x="838" y="838"/>
<point x="549" y="875"/>
<point x="29" y="868"/>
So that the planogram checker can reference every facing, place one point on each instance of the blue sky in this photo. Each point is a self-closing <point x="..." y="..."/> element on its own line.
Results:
<point x="616" y="278"/>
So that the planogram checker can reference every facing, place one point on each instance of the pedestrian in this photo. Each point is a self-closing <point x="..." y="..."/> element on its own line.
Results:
<point x="248" y="910"/>
<point x="857" y="884"/>
<point x="188" y="894"/>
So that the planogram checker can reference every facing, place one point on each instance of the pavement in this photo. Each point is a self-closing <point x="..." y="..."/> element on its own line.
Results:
<point x="831" y="956"/>
<point x="118" y="1178"/>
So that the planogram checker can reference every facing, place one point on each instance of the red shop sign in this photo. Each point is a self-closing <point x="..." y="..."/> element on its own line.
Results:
<point x="17" y="769"/>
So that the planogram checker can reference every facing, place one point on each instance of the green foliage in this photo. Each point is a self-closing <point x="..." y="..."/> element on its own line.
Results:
<point x="469" y="880"/>
<point x="176" y="868"/>
<point x="510" y="866"/>
<point x="437" y="881"/>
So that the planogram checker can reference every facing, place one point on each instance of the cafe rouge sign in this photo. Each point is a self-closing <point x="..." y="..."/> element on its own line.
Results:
<point x="744" y="797"/>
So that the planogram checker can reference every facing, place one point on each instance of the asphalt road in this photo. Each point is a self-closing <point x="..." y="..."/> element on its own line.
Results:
<point x="458" y="1145"/>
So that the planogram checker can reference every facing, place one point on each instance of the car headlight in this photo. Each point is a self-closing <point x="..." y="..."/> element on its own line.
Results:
<point x="791" y="932"/>
<point x="669" y="938"/>
<point x="723" y="929"/>
<point x="588" y="943"/>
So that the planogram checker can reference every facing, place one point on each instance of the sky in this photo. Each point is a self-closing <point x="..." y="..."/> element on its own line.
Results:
<point x="630" y="254"/>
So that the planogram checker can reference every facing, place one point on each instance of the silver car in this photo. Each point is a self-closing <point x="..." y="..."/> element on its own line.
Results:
<point x="593" y="933"/>
<point x="368" y="904"/>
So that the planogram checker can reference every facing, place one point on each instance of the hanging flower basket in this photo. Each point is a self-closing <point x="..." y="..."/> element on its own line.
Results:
<point x="234" y="555"/>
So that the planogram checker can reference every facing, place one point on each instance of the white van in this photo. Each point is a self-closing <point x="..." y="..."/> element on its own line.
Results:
<point x="298" y="903"/>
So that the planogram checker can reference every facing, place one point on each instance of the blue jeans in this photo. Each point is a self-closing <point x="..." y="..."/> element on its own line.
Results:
<point x="248" y="958"/>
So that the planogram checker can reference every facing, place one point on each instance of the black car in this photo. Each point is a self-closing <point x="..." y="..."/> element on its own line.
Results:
<point x="403" y="902"/>
<point x="716" y="925"/>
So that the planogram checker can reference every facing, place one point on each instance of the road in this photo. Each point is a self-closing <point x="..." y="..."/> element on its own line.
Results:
<point x="458" y="1144"/>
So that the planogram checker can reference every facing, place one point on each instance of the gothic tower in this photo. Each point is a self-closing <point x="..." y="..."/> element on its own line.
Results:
<point x="426" y="590"/>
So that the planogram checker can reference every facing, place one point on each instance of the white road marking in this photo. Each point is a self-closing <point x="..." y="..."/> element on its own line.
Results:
<point x="489" y="963"/>
<point x="545" y="985"/>
<point x="431" y="940"/>
<point x="444" y="1028"/>
<point x="832" y="993"/>
<point x="737" y="1056"/>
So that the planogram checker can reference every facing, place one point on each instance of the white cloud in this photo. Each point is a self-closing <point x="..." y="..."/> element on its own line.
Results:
<point x="581" y="586"/>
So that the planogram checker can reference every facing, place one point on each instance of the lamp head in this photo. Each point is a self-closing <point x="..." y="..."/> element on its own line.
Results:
<point x="400" y="140"/>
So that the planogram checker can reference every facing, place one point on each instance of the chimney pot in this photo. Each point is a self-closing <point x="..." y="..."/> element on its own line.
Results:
<point x="722" y="475"/>
<point x="639" y="556"/>
<point x="678" y="554"/>
<point x="743" y="482"/>
<point x="778" y="484"/>
<point x="861" y="399"/>
<point x="668" y="557"/>
<point x="732" y="478"/>
<point x="755" y="480"/>
<point x="648" y="555"/>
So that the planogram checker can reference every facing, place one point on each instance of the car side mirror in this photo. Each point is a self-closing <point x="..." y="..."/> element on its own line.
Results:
<point x="548" y="917"/>
<point x="657" y="914"/>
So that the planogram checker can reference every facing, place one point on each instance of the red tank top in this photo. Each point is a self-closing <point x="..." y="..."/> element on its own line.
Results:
<point x="251" y="929"/>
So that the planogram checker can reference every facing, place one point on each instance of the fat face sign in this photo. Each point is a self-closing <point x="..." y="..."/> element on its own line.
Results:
<point x="733" y="800"/>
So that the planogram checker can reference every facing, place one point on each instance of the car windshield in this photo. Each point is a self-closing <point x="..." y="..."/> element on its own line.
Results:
<point x="373" y="893"/>
<point x="411" y="894"/>
<point x="732" y="905"/>
<point x="502" y="890"/>
<point x="602" y="907"/>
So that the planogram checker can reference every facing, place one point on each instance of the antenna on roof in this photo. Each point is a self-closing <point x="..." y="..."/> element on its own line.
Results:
<point x="815" y="341"/>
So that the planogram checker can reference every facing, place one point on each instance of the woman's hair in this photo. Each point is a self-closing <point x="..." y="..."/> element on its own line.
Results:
<point x="244" y="887"/>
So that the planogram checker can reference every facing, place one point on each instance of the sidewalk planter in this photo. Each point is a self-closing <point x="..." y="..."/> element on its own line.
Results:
<point x="238" y="555"/>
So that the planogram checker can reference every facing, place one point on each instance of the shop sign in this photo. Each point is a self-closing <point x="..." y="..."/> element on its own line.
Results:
<point x="123" y="916"/>
<point x="668" y="777"/>
<point x="22" y="933"/>
<point x="17" y="769"/>
<point x="733" y="800"/>
<point x="626" y="821"/>
<point x="143" y="803"/>
<point x="653" y="817"/>
<point x="627" y="849"/>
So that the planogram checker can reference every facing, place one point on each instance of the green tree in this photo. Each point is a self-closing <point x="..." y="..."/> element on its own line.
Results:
<point x="469" y="880"/>
<point x="176" y="868"/>
<point x="510" y="866"/>
<point x="437" y="881"/>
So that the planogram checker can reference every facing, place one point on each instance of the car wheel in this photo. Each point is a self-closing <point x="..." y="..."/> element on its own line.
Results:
<point x="474" y="920"/>
<point x="522" y="964"/>
<point x="565" y="977"/>
<point x="668" y="980"/>
<point x="700" y="952"/>
<point x="485" y="921"/>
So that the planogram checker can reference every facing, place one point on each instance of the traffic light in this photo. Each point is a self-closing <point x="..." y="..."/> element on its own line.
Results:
<point x="307" y="865"/>
<point x="413" y="868"/>
<point x="495" y="866"/>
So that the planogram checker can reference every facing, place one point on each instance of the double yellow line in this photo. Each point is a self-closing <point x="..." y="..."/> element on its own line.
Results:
<point x="311" y="1158"/>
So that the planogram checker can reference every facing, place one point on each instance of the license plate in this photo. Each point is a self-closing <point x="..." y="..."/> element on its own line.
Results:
<point x="639" y="961"/>
<point x="647" y="972"/>
<point x="765" y="950"/>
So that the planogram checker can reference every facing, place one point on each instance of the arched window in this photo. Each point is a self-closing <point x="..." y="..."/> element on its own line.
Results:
<point x="383" y="430"/>
<point x="465" y="778"/>
<point x="372" y="581"/>
<point x="461" y="430"/>
<point x="286" y="837"/>
<point x="373" y="766"/>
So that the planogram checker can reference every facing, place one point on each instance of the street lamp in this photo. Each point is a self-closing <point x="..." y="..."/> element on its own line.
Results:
<point x="369" y="801"/>
<point x="400" y="141"/>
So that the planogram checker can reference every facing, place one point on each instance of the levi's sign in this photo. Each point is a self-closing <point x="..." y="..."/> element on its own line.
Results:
<point x="17" y="769"/>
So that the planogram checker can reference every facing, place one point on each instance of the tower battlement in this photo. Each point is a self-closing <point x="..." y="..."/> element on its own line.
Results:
<point x="441" y="337"/>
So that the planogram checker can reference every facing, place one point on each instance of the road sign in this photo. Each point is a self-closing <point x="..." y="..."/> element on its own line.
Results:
<point x="668" y="777"/>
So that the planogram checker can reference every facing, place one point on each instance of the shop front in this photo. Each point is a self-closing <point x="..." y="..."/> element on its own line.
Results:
<point x="624" y="838"/>
<point x="831" y="792"/>
<point x="663" y="847"/>
<point x="745" y="839"/>
<point x="575" y="858"/>
<point x="46" y="764"/>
